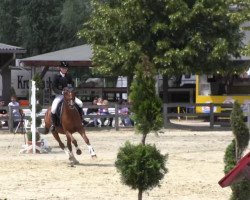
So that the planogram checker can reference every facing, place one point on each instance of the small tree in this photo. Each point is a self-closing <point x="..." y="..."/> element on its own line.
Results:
<point x="146" y="105"/>
<point x="141" y="166"/>
<point x="240" y="130"/>
<point x="234" y="151"/>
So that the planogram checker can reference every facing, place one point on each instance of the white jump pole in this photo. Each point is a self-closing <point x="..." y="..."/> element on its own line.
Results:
<point x="33" y="115"/>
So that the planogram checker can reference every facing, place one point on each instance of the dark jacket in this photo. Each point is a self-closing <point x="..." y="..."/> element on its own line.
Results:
<point x="60" y="82"/>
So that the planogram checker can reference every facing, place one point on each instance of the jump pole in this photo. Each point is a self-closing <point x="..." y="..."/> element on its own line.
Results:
<point x="33" y="115"/>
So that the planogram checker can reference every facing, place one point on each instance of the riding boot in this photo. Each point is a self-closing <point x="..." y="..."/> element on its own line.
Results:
<point x="81" y="113"/>
<point x="53" y="121"/>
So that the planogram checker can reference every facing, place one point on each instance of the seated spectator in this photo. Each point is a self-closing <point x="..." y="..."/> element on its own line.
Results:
<point x="3" y="113"/>
<point x="16" y="112"/>
<point x="104" y="111"/>
<point x="124" y="111"/>
<point x="99" y="101"/>
<point x="93" y="111"/>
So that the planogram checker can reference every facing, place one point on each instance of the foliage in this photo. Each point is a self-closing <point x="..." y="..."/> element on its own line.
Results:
<point x="241" y="191"/>
<point x="177" y="36"/>
<point x="141" y="166"/>
<point x="146" y="105"/>
<point x="42" y="26"/>
<point x="229" y="157"/>
<point x="234" y="151"/>
<point x="9" y="10"/>
<point x="74" y="13"/>
<point x="240" y="130"/>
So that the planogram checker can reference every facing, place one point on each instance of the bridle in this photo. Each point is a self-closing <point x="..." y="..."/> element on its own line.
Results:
<point x="69" y="97"/>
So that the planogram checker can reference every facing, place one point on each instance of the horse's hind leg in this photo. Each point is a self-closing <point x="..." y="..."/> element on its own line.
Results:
<point x="58" y="139"/>
<point x="86" y="139"/>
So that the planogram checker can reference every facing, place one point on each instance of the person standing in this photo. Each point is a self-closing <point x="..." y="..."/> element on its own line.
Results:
<point x="15" y="107"/>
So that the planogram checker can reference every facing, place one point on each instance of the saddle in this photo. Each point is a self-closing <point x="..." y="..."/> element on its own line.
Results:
<point x="59" y="113"/>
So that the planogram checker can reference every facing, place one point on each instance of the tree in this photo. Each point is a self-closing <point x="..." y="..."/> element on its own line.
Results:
<point x="42" y="26"/>
<point x="141" y="166"/>
<point x="73" y="15"/>
<point x="234" y="152"/>
<point x="240" y="130"/>
<point x="40" y="29"/>
<point x="146" y="105"/>
<point x="177" y="36"/>
<point x="9" y="10"/>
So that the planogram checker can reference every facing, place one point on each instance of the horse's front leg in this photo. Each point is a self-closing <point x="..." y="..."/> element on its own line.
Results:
<point x="86" y="139"/>
<point x="72" y="158"/>
<point x="78" y="150"/>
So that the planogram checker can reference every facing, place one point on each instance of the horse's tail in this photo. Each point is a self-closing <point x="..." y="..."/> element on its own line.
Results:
<point x="47" y="121"/>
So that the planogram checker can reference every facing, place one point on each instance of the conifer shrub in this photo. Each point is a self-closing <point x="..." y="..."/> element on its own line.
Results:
<point x="240" y="130"/>
<point x="234" y="152"/>
<point x="141" y="166"/>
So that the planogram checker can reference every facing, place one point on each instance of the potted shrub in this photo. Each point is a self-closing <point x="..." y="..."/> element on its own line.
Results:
<point x="29" y="138"/>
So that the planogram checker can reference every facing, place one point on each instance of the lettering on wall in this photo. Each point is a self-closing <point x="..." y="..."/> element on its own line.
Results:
<point x="22" y="83"/>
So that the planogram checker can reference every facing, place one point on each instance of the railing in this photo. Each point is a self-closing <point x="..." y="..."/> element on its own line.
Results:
<point x="215" y="118"/>
<point x="184" y="110"/>
<point x="113" y="113"/>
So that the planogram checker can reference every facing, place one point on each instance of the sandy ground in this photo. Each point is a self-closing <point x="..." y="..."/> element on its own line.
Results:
<point x="195" y="166"/>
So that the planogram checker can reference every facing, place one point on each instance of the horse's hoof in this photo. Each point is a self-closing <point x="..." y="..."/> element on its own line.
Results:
<point x="76" y="162"/>
<point x="78" y="152"/>
<point x="71" y="164"/>
<point x="93" y="156"/>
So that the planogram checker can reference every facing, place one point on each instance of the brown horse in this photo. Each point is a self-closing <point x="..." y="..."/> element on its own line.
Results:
<point x="71" y="123"/>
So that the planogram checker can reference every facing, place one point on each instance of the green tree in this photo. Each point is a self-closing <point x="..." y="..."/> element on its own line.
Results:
<point x="39" y="23"/>
<point x="234" y="152"/>
<point x="9" y="11"/>
<point x="177" y="36"/>
<point x="42" y="26"/>
<point x="73" y="15"/>
<point x="146" y="105"/>
<point x="240" y="130"/>
<point x="141" y="166"/>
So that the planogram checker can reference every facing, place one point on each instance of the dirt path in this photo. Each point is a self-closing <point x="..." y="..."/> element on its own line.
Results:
<point x="195" y="166"/>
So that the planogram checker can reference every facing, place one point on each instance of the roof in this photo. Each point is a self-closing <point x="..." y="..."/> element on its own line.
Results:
<point x="75" y="56"/>
<point x="5" y="48"/>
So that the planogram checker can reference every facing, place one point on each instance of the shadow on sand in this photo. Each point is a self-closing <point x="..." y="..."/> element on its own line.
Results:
<point x="195" y="126"/>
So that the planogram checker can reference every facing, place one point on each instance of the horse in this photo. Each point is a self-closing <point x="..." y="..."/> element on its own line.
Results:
<point x="70" y="123"/>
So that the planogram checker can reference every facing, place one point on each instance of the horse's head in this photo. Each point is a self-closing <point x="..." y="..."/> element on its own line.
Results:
<point x="69" y="96"/>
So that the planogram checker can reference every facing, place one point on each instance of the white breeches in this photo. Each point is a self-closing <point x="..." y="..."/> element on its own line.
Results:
<point x="59" y="98"/>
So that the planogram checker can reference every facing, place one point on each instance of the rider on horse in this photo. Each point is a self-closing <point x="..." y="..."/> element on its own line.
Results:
<point x="60" y="81"/>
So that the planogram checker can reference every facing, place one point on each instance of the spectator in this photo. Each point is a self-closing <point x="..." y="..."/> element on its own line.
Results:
<point x="3" y="113"/>
<point x="93" y="111"/>
<point x="104" y="111"/>
<point x="16" y="112"/>
<point x="124" y="111"/>
<point x="99" y="101"/>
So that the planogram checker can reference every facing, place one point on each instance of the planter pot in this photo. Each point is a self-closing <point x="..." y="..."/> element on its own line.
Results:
<point x="38" y="143"/>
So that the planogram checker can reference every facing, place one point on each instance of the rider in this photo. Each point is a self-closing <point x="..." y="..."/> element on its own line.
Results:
<point x="60" y="81"/>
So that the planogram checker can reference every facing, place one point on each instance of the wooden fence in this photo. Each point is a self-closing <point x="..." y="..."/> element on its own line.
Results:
<point x="113" y="113"/>
<point x="171" y="110"/>
<point x="187" y="110"/>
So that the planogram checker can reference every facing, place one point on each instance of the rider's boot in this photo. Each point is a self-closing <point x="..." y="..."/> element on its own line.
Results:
<point x="81" y="114"/>
<point x="53" y="121"/>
